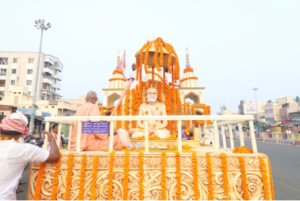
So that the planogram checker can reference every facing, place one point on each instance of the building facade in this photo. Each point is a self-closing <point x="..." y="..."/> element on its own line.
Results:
<point x="249" y="108"/>
<point x="20" y="68"/>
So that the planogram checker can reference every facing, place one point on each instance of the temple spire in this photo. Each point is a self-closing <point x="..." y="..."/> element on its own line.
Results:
<point x="187" y="58"/>
<point x="118" y="61"/>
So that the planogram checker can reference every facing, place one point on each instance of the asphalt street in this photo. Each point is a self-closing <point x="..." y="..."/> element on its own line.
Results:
<point x="285" y="161"/>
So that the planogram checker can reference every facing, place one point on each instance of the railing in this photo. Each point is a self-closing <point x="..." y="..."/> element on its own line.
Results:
<point x="226" y="120"/>
<point x="275" y="137"/>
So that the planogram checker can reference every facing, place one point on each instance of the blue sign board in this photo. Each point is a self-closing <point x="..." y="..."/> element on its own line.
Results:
<point x="26" y="111"/>
<point x="46" y="114"/>
<point x="95" y="128"/>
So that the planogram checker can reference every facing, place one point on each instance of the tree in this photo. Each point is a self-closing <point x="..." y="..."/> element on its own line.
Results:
<point x="269" y="101"/>
<point x="297" y="99"/>
<point x="223" y="107"/>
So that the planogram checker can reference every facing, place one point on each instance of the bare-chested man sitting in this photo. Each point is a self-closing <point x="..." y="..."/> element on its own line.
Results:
<point x="151" y="108"/>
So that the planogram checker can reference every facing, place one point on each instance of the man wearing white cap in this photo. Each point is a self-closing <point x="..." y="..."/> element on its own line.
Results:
<point x="15" y="156"/>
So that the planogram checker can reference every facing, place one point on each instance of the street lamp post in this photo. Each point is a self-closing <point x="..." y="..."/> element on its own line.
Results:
<point x="39" y="24"/>
<point x="255" y="89"/>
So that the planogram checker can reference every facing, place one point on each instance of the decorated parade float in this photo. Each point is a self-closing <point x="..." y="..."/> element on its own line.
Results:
<point x="187" y="165"/>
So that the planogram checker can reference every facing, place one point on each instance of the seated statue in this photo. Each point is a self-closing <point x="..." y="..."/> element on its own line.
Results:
<point x="151" y="108"/>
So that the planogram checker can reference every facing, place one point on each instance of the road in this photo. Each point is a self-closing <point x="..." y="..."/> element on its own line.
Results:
<point x="285" y="161"/>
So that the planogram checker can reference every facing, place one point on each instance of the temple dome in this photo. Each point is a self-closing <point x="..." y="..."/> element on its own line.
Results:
<point x="118" y="80"/>
<point x="189" y="79"/>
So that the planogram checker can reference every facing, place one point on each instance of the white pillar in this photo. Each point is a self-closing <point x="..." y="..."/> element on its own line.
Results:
<point x="223" y="137"/>
<point x="146" y="137"/>
<point x="70" y="133"/>
<point x="58" y="141"/>
<point x="45" y="145"/>
<point x="216" y="137"/>
<point x="242" y="143"/>
<point x="179" y="137"/>
<point x="111" y="136"/>
<point x="206" y="135"/>
<point x="78" y="143"/>
<point x="252" y="136"/>
<point x="231" y="136"/>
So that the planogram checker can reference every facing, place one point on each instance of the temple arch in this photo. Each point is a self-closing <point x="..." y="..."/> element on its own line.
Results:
<point x="112" y="98"/>
<point x="194" y="97"/>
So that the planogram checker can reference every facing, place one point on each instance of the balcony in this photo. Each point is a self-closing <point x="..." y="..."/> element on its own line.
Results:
<point x="47" y="79"/>
<point x="56" y="85"/>
<point x="48" y="71"/>
<point x="58" y="76"/>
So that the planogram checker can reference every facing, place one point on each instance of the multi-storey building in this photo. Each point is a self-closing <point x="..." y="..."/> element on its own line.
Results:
<point x="250" y="108"/>
<point x="20" y="68"/>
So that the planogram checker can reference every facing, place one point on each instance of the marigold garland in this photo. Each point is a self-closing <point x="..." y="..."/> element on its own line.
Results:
<point x="69" y="176"/>
<point x="141" y="175"/>
<point x="116" y="79"/>
<point x="225" y="175"/>
<point x="118" y="72"/>
<point x="244" y="179"/>
<point x="178" y="176"/>
<point x="188" y="70"/>
<point x="94" y="177"/>
<point x="265" y="178"/>
<point x="55" y="179"/>
<point x="242" y="149"/>
<point x="102" y="108"/>
<point x="189" y="78"/>
<point x="271" y="180"/>
<point x="163" y="176"/>
<point x="119" y="113"/>
<point x="195" y="175"/>
<point x="126" y="173"/>
<point x="111" y="175"/>
<point x="211" y="195"/>
<point x="82" y="177"/>
<point x="39" y="182"/>
<point x="127" y="108"/>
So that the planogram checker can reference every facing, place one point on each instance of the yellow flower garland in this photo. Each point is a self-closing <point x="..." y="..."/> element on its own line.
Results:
<point x="141" y="175"/>
<point x="111" y="174"/>
<point x="225" y="175"/>
<point x="125" y="179"/>
<point x="69" y="176"/>
<point x="195" y="175"/>
<point x="265" y="178"/>
<point x="211" y="195"/>
<point x="82" y="177"/>
<point x="271" y="180"/>
<point x="178" y="176"/>
<point x="94" y="177"/>
<point x="55" y="179"/>
<point x="244" y="179"/>
<point x="163" y="176"/>
<point x="39" y="182"/>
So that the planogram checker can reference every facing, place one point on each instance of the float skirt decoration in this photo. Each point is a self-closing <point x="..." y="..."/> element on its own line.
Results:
<point x="158" y="172"/>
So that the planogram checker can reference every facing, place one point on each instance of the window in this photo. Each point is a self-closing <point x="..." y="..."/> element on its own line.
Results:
<point x="28" y="82"/>
<point x="2" y="83"/>
<point x="2" y="71"/>
<point x="30" y="61"/>
<point x="13" y="71"/>
<point x="29" y="71"/>
<point x="0" y="98"/>
<point x="15" y="60"/>
<point x="3" y="60"/>
<point x="12" y="82"/>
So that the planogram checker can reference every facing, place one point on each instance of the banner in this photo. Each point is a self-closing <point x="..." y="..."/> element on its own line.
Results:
<point x="290" y="136"/>
<point x="296" y="137"/>
<point x="26" y="111"/>
<point x="95" y="128"/>
<point x="251" y="106"/>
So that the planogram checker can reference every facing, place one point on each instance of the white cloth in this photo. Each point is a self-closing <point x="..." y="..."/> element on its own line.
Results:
<point x="132" y="74"/>
<point x="13" y="159"/>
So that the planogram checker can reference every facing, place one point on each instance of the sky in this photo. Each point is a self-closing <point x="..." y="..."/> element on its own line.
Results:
<point x="234" y="46"/>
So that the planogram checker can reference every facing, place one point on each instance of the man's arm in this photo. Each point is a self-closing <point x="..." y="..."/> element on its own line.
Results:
<point x="54" y="151"/>
<point x="139" y="123"/>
